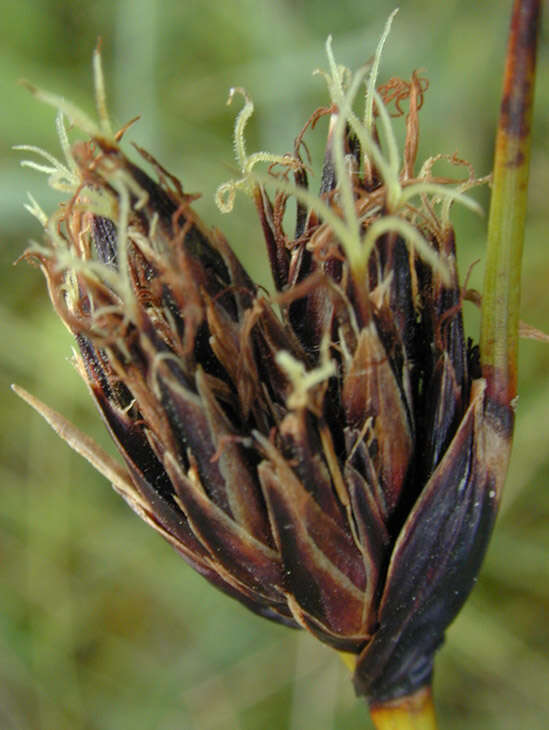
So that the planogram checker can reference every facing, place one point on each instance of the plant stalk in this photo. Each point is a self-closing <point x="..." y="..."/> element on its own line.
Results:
<point x="501" y="297"/>
<point x="414" y="712"/>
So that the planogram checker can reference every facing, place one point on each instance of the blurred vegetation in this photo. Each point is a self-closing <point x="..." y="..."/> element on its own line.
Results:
<point x="102" y="626"/>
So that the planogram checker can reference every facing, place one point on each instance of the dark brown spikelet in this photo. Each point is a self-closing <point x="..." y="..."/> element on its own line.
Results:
<point x="328" y="456"/>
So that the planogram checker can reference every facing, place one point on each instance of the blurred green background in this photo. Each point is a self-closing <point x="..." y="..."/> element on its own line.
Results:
<point x="102" y="626"/>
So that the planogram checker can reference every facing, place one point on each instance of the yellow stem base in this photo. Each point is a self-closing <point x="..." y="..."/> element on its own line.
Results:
<point x="414" y="712"/>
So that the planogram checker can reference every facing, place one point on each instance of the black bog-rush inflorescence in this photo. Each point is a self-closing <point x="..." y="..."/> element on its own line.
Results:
<point x="329" y="455"/>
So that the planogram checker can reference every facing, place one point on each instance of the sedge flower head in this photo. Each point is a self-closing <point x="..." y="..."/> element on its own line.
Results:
<point x="327" y="454"/>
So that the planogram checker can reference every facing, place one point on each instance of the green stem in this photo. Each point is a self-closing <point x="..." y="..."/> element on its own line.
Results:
<point x="501" y="298"/>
